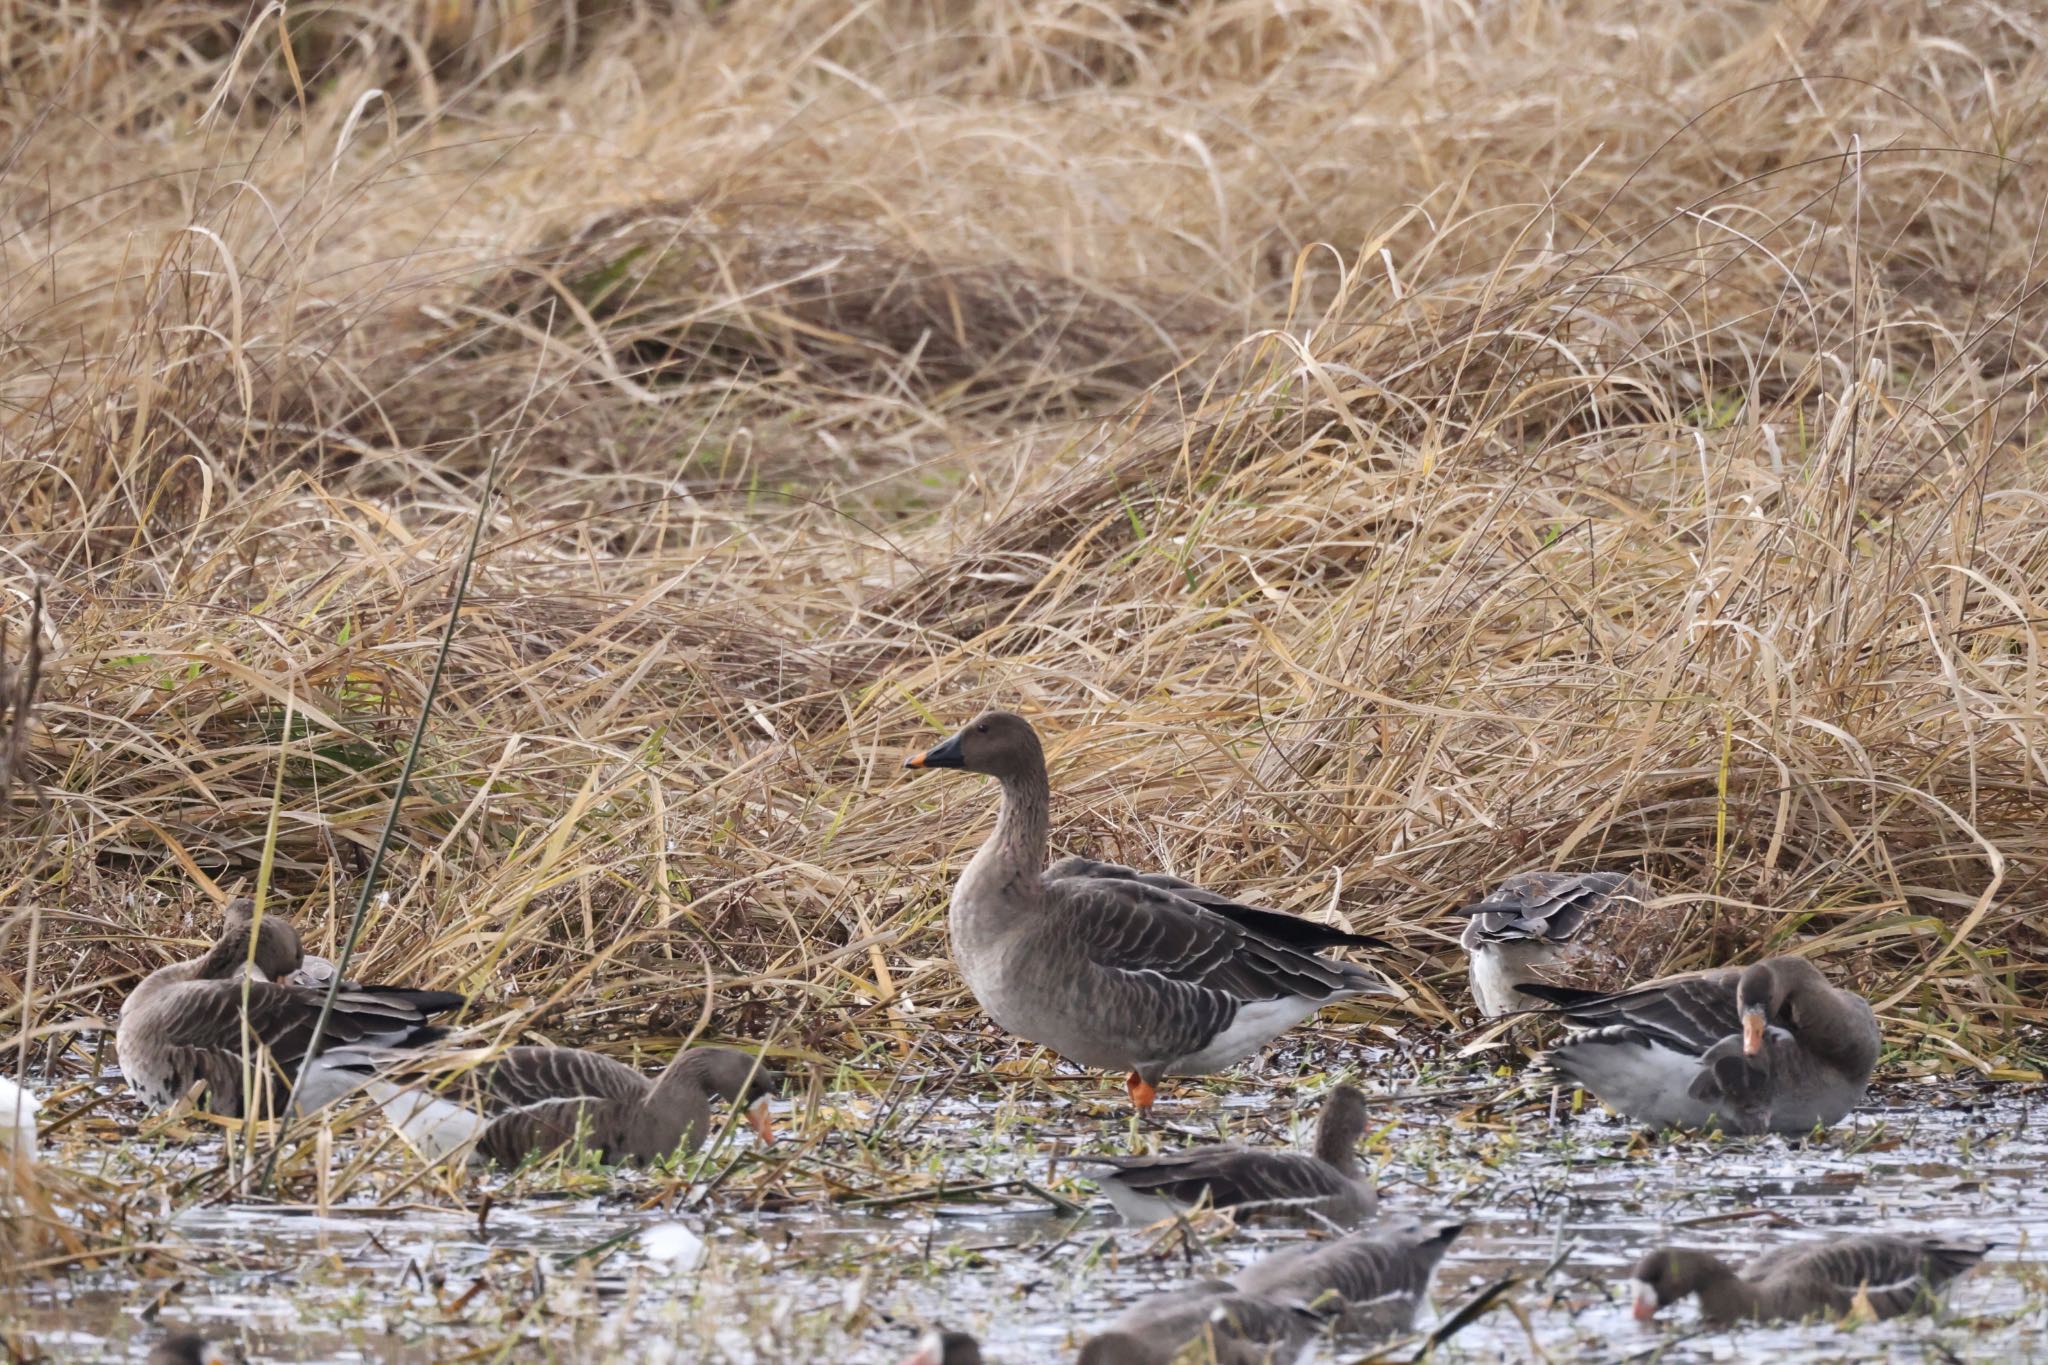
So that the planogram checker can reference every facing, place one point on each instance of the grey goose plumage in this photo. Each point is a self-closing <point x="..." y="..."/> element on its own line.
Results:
<point x="1116" y="969"/>
<point x="1585" y="929"/>
<point x="1892" y="1275"/>
<point x="229" y="1018"/>
<point x="1371" y="1281"/>
<point x="1367" y="1283"/>
<point x="1231" y="1326"/>
<point x="1767" y="1048"/>
<point x="1328" y="1182"/>
<point x="531" y="1101"/>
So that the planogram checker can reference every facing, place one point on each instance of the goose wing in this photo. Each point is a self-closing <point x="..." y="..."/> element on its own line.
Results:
<point x="1378" y="1264"/>
<point x="1690" y="1013"/>
<point x="211" y="1014"/>
<point x="1233" y="1176"/>
<point x="1894" y="1274"/>
<point x="1292" y="930"/>
<point x="1153" y="934"/>
<point x="533" y="1075"/>
<point x="1551" y="907"/>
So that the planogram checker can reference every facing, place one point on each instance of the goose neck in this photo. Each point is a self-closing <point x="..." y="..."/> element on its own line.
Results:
<point x="1724" y="1295"/>
<point x="1023" y="825"/>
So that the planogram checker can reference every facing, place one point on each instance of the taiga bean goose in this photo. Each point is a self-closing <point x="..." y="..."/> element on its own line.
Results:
<point x="1328" y="1182"/>
<point x="1585" y="929"/>
<point x="227" y="1017"/>
<point x="529" y="1101"/>
<point x="1892" y="1275"/>
<point x="1116" y="969"/>
<point x="1211" y="1321"/>
<point x="1768" y="1048"/>
<point x="1372" y="1281"/>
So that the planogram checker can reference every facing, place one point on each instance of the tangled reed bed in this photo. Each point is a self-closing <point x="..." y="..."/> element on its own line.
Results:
<point x="1389" y="448"/>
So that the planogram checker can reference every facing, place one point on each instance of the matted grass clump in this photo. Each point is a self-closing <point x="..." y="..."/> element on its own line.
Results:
<point x="1385" y="449"/>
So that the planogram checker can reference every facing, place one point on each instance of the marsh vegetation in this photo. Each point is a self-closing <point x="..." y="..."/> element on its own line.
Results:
<point x="1382" y="447"/>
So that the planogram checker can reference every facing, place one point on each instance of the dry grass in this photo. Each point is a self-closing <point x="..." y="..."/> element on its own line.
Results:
<point x="1386" y="447"/>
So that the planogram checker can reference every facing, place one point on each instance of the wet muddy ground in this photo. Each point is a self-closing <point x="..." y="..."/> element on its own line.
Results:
<point x="885" y="1210"/>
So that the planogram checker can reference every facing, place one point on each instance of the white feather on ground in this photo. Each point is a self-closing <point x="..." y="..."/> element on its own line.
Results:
<point x="18" y="1110"/>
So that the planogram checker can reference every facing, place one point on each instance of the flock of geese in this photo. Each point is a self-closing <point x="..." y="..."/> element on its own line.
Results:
<point x="1153" y="977"/>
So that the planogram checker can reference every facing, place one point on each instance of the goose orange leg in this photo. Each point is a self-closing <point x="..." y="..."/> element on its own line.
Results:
<point x="1142" y="1092"/>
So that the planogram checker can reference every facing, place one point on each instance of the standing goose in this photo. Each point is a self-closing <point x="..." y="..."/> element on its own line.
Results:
<point x="1585" y="929"/>
<point x="1328" y="1182"/>
<point x="1115" y="969"/>
<point x="1372" y="1280"/>
<point x="227" y="1017"/>
<point x="1768" y="1048"/>
<point x="529" y="1101"/>
<point x="1893" y="1275"/>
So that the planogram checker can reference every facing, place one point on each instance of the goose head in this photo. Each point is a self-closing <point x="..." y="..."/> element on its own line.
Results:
<point x="1775" y="991"/>
<point x="1000" y="744"/>
<point x="277" y="953"/>
<point x="1668" y="1274"/>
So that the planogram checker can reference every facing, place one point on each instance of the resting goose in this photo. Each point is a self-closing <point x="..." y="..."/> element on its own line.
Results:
<point x="1232" y="1327"/>
<point x="1372" y="1280"/>
<point x="1116" y="969"/>
<point x="227" y="1016"/>
<point x="1768" y="1048"/>
<point x="1893" y="1275"/>
<point x="1585" y="929"/>
<point x="1328" y="1182"/>
<point x="529" y="1101"/>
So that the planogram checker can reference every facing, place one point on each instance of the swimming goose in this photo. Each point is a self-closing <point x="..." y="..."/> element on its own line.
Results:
<point x="529" y="1101"/>
<point x="1893" y="1275"/>
<point x="1232" y="1327"/>
<point x="1585" y="929"/>
<point x="1328" y="1182"/>
<point x="1372" y="1280"/>
<point x="227" y="1016"/>
<point x="1768" y="1048"/>
<point x="1116" y="969"/>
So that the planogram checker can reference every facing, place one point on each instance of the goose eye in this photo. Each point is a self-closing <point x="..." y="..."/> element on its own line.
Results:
<point x="981" y="729"/>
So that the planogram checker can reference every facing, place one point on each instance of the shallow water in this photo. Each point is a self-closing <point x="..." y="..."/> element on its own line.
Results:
<point x="567" y="1276"/>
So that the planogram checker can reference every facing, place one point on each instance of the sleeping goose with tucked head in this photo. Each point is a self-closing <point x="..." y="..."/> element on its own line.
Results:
<point x="530" y="1101"/>
<point x="1832" y="1278"/>
<point x="230" y="1018"/>
<point x="1586" y="929"/>
<point x="1327" y="1182"/>
<point x="1768" y="1048"/>
<point x="1113" y="968"/>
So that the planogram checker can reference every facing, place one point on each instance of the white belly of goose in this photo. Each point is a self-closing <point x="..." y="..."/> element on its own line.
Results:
<point x="1256" y="1023"/>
